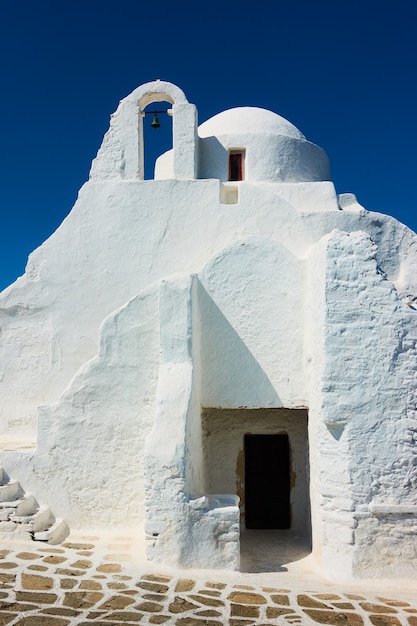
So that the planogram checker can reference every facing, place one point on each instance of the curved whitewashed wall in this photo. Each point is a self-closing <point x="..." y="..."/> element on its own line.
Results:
<point x="251" y="302"/>
<point x="275" y="150"/>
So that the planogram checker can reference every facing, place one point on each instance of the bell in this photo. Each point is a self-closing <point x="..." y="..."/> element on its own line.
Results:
<point x="155" y="122"/>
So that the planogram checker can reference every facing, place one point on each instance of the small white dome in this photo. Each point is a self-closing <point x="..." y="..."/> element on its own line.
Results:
<point x="248" y="120"/>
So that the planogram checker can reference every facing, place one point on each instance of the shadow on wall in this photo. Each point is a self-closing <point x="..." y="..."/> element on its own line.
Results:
<point x="231" y="376"/>
<point x="214" y="157"/>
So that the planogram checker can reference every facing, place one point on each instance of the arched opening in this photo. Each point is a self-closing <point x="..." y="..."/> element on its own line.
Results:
<point x="156" y="140"/>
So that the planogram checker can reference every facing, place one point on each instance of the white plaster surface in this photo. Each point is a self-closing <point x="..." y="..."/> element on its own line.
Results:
<point x="156" y="300"/>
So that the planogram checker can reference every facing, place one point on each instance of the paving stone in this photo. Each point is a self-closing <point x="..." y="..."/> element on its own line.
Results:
<point x="154" y="597"/>
<point x="70" y="572"/>
<point x="119" y="558"/>
<point x="7" y="578"/>
<point x="116" y="602"/>
<point x="157" y="578"/>
<point x="412" y="620"/>
<point x="110" y="568"/>
<point x="78" y="546"/>
<point x="59" y="610"/>
<point x="82" y="564"/>
<point x="180" y="605"/>
<point x="5" y="618"/>
<point x="90" y="585"/>
<point x="195" y="621"/>
<point x="208" y="613"/>
<point x="54" y="559"/>
<point x="304" y="600"/>
<point x="95" y="615"/>
<point x="244" y="610"/>
<point x="247" y="587"/>
<point x="241" y="597"/>
<point x="377" y="608"/>
<point x="393" y="602"/>
<point x="215" y="585"/>
<point x="334" y="618"/>
<point x="96" y="624"/>
<point x="154" y="587"/>
<point x="149" y="607"/>
<point x="38" y="568"/>
<point x="32" y="581"/>
<point x="17" y="607"/>
<point x="280" y="598"/>
<point x="347" y="606"/>
<point x="127" y="616"/>
<point x="270" y="589"/>
<point x="353" y="596"/>
<point x="184" y="584"/>
<point x="4" y="553"/>
<point x="384" y="620"/>
<point x="241" y="622"/>
<point x="327" y="596"/>
<point x="67" y="583"/>
<point x="207" y="601"/>
<point x="116" y="586"/>
<point x="7" y="565"/>
<point x="133" y="592"/>
<point x="85" y="553"/>
<point x="36" y="597"/>
<point x="210" y="592"/>
<point x="3" y="594"/>
<point x="272" y="612"/>
<point x="119" y="577"/>
<point x="42" y="620"/>
<point x="159" y="619"/>
<point x="82" y="599"/>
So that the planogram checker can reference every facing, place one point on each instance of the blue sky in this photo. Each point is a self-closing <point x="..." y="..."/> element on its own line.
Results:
<point x="343" y="72"/>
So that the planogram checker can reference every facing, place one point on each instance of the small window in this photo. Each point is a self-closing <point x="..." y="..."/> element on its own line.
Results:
<point x="236" y="164"/>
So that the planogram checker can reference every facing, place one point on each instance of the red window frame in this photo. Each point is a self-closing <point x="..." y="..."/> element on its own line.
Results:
<point x="236" y="164"/>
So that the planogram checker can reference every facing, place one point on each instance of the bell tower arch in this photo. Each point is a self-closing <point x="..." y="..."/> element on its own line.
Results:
<point x="122" y="152"/>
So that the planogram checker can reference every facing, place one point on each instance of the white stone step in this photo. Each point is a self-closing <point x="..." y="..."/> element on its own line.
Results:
<point x="27" y="505"/>
<point x="42" y="519"/>
<point x="55" y="534"/>
<point x="10" y="491"/>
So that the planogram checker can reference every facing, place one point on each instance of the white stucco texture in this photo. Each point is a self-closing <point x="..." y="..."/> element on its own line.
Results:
<point x="166" y="319"/>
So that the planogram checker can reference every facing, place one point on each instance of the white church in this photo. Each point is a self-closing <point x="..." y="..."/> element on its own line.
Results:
<point x="228" y="347"/>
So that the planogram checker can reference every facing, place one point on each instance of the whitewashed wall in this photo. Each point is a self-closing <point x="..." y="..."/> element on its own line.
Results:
<point x="292" y="297"/>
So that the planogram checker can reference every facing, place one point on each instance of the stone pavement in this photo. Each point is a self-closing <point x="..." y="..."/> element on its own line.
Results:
<point x="102" y="580"/>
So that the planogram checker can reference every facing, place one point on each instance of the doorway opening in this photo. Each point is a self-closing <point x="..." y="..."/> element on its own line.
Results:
<point x="226" y="433"/>
<point x="267" y="481"/>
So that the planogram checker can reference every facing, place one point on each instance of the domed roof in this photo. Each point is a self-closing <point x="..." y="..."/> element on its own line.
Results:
<point x="248" y="120"/>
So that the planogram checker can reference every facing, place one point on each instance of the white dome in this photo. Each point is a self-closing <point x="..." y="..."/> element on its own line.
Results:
<point x="248" y="120"/>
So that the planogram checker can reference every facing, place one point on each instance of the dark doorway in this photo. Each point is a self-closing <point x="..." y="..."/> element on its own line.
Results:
<point x="267" y="481"/>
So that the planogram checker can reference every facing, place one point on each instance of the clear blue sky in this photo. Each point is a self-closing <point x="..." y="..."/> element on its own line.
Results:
<point x="343" y="72"/>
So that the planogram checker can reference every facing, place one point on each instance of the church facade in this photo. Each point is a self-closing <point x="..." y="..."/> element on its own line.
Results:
<point x="229" y="346"/>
